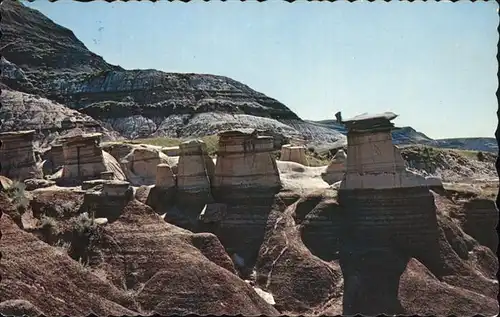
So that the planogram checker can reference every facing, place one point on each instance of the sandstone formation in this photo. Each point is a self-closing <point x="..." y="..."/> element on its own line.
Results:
<point x="336" y="169"/>
<point x="195" y="170"/>
<point x="295" y="154"/>
<point x="244" y="161"/>
<point x="140" y="165"/>
<point x="17" y="155"/>
<point x="164" y="176"/>
<point x="56" y="157"/>
<point x="106" y="198"/>
<point x="388" y="209"/>
<point x="171" y="270"/>
<point x="85" y="160"/>
<point x="246" y="180"/>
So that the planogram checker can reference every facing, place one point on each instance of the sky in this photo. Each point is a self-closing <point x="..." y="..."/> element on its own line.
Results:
<point x="434" y="63"/>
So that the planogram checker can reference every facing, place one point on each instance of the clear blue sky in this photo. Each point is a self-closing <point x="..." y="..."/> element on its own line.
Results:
<point x="432" y="63"/>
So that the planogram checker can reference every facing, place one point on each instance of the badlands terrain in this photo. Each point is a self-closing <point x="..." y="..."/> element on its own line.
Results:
<point x="140" y="192"/>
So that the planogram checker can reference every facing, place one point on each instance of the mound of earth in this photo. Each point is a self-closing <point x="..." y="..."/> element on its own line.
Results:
<point x="138" y="265"/>
<point x="460" y="281"/>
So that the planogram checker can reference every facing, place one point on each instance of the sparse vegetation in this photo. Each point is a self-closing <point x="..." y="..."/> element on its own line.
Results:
<point x="17" y="195"/>
<point x="84" y="234"/>
<point x="49" y="229"/>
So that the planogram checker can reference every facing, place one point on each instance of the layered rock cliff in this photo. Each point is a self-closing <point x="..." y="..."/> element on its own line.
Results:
<point x="135" y="103"/>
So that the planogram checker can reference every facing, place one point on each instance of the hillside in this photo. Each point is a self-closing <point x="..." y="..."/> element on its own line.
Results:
<point x="46" y="59"/>
<point x="42" y="58"/>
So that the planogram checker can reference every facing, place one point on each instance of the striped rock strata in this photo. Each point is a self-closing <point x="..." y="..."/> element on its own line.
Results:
<point x="389" y="214"/>
<point x="85" y="160"/>
<point x="140" y="165"/>
<point x="480" y="221"/>
<point x="246" y="180"/>
<point x="295" y="154"/>
<point x="195" y="170"/>
<point x="244" y="161"/>
<point x="17" y="155"/>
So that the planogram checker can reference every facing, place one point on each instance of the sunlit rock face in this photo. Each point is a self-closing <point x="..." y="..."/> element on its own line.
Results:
<point x="244" y="161"/>
<point x="140" y="165"/>
<point x="17" y="155"/>
<point x="246" y="180"/>
<point x="195" y="169"/>
<point x="295" y="154"/>
<point x="335" y="171"/>
<point x="84" y="159"/>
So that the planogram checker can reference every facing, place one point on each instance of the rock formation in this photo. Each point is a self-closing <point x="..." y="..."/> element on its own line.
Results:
<point x="246" y="180"/>
<point x="57" y="157"/>
<point x="336" y="169"/>
<point x="5" y="183"/>
<point x="17" y="155"/>
<point x="140" y="165"/>
<point x="295" y="154"/>
<point x="106" y="198"/>
<point x="195" y="170"/>
<point x="480" y="221"/>
<point x="164" y="176"/>
<point x="85" y="160"/>
<point x="244" y="161"/>
<point x="388" y="209"/>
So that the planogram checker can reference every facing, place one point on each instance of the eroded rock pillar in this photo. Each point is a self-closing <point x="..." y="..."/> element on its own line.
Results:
<point x="246" y="180"/>
<point x="85" y="160"/>
<point x="390" y="217"/>
<point x="17" y="155"/>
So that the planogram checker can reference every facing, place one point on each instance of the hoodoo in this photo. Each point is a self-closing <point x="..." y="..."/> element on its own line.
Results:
<point x="246" y="180"/>
<point x="244" y="161"/>
<point x="85" y="160"/>
<point x="387" y="208"/>
<point x="17" y="155"/>
<point x="195" y="169"/>
<point x="293" y="153"/>
<point x="140" y="165"/>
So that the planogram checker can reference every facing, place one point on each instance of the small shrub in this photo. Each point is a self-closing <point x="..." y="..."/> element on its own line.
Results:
<point x="85" y="234"/>
<point x="82" y="224"/>
<point x="17" y="196"/>
<point x="480" y="156"/>
<point x="49" y="229"/>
